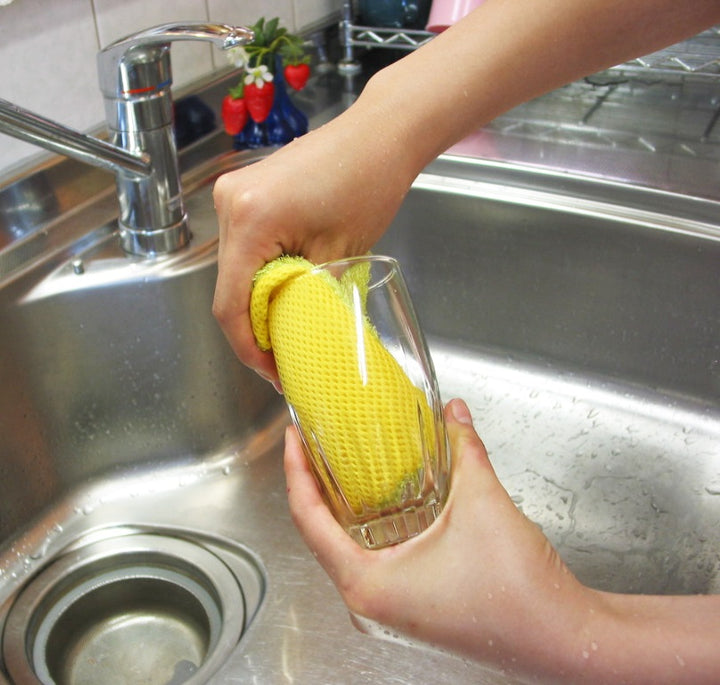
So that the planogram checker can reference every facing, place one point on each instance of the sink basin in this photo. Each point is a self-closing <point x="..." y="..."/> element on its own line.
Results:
<point x="579" y="319"/>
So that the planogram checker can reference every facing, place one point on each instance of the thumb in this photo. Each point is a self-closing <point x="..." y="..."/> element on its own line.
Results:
<point x="464" y="440"/>
<point x="332" y="546"/>
<point x="472" y="472"/>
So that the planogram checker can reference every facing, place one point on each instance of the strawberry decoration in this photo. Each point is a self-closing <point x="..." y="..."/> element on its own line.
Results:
<point x="234" y="111"/>
<point x="259" y="93"/>
<point x="273" y="47"/>
<point x="296" y="63"/>
<point x="259" y="101"/>
<point x="297" y="75"/>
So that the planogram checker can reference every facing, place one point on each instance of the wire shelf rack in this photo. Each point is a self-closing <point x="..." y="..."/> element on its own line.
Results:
<point x="379" y="37"/>
<point x="659" y="112"/>
<point x="697" y="58"/>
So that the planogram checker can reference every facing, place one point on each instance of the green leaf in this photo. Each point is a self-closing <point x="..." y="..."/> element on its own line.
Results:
<point x="271" y="29"/>
<point x="259" y="31"/>
<point x="271" y="38"/>
<point x="293" y="53"/>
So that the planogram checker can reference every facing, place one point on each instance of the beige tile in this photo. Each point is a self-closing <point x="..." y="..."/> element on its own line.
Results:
<point x="48" y="66"/>
<point x="249" y="11"/>
<point x="190" y="59"/>
<point x="316" y="12"/>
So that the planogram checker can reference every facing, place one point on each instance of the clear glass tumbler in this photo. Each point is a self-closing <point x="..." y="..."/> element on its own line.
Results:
<point x="366" y="400"/>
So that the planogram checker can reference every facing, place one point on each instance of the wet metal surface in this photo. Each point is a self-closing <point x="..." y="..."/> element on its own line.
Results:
<point x="579" y="320"/>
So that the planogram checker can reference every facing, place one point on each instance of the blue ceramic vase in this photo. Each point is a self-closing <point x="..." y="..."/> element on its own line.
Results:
<point x="284" y="123"/>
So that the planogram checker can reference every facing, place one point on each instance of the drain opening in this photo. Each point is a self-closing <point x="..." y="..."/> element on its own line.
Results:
<point x="151" y="625"/>
<point x="143" y="608"/>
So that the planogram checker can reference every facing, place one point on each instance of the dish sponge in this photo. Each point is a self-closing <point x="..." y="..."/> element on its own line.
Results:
<point x="338" y="378"/>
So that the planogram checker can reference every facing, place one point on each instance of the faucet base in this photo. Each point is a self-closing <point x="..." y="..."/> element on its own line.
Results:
<point x="155" y="242"/>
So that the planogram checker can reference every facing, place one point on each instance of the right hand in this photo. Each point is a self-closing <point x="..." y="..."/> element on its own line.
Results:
<point x="324" y="196"/>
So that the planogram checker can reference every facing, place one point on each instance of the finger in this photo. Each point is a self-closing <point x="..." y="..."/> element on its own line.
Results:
<point x="332" y="546"/>
<point x="231" y="304"/>
<point x="472" y="473"/>
<point x="235" y="324"/>
<point x="464" y="440"/>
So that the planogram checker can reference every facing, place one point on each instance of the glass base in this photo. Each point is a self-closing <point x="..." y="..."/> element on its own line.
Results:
<point x="397" y="527"/>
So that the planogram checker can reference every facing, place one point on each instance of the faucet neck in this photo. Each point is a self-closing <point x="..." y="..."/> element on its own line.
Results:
<point x="135" y="79"/>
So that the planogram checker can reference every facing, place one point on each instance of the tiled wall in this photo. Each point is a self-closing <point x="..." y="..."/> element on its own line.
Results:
<point x="48" y="48"/>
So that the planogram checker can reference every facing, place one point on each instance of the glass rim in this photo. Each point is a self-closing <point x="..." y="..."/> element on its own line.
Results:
<point x="347" y="262"/>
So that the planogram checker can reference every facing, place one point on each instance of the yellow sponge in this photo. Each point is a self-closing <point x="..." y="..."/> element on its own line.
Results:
<point x="339" y="378"/>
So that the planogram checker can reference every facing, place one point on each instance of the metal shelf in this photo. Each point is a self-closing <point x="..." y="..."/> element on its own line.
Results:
<point x="378" y="37"/>
<point x="697" y="58"/>
<point x="654" y="119"/>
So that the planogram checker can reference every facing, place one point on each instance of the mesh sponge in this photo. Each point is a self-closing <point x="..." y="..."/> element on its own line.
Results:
<point x="309" y="323"/>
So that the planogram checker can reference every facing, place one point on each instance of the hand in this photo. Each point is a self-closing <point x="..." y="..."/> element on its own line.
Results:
<point x="473" y="582"/>
<point x="484" y="582"/>
<point x="332" y="193"/>
<point x="324" y="196"/>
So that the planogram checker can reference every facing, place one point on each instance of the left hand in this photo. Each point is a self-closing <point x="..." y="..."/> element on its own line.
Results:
<point x="479" y="581"/>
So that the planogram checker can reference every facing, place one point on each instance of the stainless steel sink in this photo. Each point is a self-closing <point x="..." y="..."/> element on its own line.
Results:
<point x="580" y="319"/>
<point x="582" y="322"/>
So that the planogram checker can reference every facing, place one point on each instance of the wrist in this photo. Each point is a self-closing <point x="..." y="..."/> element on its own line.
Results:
<point x="556" y="634"/>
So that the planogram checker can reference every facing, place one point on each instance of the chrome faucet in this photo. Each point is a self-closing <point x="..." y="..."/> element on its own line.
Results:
<point x="135" y="79"/>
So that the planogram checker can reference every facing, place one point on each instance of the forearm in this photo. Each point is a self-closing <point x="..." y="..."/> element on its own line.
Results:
<point x="650" y="639"/>
<point x="581" y="635"/>
<point x="542" y="625"/>
<point x="507" y="52"/>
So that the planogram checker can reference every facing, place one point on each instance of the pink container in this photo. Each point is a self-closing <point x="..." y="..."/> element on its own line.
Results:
<point x="444" y="13"/>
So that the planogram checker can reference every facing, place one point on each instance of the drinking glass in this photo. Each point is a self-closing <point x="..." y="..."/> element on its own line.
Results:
<point x="366" y="400"/>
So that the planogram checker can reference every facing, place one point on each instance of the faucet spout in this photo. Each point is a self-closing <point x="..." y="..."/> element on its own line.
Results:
<point x="222" y="35"/>
<point x="33" y="128"/>
<point x="135" y="79"/>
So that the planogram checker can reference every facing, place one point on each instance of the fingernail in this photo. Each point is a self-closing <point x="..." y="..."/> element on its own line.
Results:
<point x="460" y="412"/>
<point x="263" y="375"/>
<point x="275" y="383"/>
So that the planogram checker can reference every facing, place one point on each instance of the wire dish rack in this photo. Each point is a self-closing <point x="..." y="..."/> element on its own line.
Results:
<point x="697" y="58"/>
<point x="666" y="103"/>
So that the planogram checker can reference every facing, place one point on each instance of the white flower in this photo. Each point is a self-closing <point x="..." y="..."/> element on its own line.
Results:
<point x="258" y="75"/>
<point x="237" y="56"/>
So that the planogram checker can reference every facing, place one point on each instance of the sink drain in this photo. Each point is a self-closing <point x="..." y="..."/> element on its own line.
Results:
<point x="136" y="609"/>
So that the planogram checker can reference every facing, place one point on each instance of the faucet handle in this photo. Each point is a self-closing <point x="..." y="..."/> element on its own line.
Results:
<point x="139" y="64"/>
